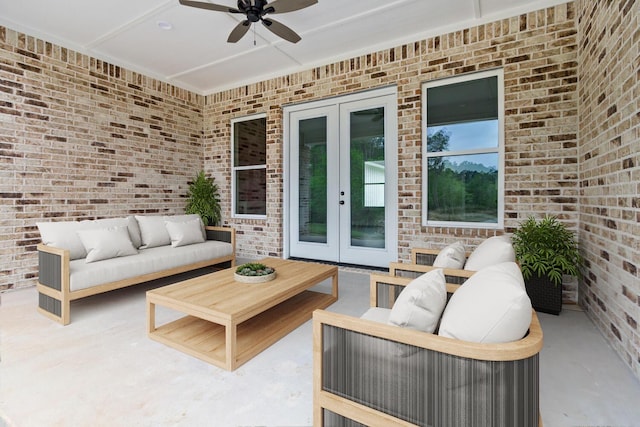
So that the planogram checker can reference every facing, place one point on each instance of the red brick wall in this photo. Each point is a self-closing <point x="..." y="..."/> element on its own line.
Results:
<point x="609" y="135"/>
<point x="81" y="139"/>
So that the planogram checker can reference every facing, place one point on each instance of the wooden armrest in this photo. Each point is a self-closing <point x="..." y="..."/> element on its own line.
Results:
<point x="528" y="346"/>
<point x="394" y="267"/>
<point x="53" y="250"/>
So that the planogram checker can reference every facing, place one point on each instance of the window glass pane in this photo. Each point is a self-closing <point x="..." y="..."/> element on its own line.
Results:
<point x="467" y="101"/>
<point x="250" y="142"/>
<point x="251" y="192"/>
<point x="463" y="188"/>
<point x="463" y="136"/>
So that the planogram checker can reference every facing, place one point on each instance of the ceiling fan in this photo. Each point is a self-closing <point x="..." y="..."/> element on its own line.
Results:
<point x="255" y="10"/>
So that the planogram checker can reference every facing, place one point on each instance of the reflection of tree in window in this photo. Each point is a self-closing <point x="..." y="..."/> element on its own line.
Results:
<point x="460" y="190"/>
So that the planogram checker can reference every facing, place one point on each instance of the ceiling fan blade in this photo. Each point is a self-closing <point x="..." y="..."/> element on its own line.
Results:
<point x="284" y="6"/>
<point x="239" y="31"/>
<point x="209" y="6"/>
<point x="281" y="30"/>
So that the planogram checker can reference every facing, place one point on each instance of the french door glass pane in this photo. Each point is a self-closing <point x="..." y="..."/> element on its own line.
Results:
<point x="312" y="196"/>
<point x="367" y="178"/>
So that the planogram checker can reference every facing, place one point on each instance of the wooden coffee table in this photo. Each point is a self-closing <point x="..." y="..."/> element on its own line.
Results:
<point x="229" y="322"/>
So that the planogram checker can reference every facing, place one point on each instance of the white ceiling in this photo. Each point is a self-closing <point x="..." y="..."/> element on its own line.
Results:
<point x="194" y="54"/>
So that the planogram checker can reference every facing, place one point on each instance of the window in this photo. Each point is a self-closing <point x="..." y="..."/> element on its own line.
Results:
<point x="249" y="160"/>
<point x="462" y="145"/>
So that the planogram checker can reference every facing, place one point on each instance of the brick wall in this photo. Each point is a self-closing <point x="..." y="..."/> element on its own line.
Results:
<point x="538" y="53"/>
<point x="609" y="98"/>
<point x="82" y="139"/>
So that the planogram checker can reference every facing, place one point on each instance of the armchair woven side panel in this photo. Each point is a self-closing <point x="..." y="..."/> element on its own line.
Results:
<point x="425" y="387"/>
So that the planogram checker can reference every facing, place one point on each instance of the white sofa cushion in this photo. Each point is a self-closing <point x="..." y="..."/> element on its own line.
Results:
<point x="185" y="233"/>
<point x="492" y="306"/>
<point x="452" y="256"/>
<point x="377" y="314"/>
<point x="105" y="243"/>
<point x="152" y="260"/>
<point x="185" y="218"/>
<point x="421" y="302"/>
<point x="64" y="234"/>
<point x="493" y="250"/>
<point x="153" y="231"/>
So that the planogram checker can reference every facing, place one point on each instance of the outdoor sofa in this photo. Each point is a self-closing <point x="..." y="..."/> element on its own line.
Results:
<point x="81" y="258"/>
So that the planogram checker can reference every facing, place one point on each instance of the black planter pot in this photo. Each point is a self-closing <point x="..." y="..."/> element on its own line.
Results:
<point x="545" y="295"/>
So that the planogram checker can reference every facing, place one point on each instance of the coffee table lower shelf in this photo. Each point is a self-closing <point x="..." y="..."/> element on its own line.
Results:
<point x="208" y="341"/>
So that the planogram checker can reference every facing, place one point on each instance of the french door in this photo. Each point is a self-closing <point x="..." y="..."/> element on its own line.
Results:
<point x="342" y="179"/>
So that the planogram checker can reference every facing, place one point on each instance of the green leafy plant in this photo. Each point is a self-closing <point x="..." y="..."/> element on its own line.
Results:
<point x="203" y="199"/>
<point x="546" y="248"/>
<point x="254" y="269"/>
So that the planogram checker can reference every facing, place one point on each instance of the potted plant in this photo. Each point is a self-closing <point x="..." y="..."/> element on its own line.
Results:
<point x="203" y="199"/>
<point x="546" y="250"/>
<point x="254" y="272"/>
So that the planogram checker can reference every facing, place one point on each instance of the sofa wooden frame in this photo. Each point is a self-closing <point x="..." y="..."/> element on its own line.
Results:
<point x="525" y="350"/>
<point x="55" y="295"/>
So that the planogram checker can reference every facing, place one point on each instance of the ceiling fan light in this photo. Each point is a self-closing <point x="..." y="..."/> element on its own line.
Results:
<point x="165" y="25"/>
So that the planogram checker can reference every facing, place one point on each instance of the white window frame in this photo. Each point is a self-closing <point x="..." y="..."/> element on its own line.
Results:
<point x="235" y="169"/>
<point x="499" y="73"/>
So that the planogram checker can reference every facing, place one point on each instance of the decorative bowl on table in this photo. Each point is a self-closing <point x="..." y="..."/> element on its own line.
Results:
<point x="254" y="272"/>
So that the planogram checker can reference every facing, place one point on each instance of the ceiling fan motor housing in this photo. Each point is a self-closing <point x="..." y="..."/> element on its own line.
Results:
<point x="254" y="9"/>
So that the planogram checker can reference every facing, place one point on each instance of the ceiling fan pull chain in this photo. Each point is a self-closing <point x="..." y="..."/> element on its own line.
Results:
<point x="254" y="35"/>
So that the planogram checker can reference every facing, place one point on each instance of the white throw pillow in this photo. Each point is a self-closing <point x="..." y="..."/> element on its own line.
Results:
<point x="420" y="304"/>
<point x="453" y="256"/>
<point x="153" y="231"/>
<point x="185" y="218"/>
<point x="63" y="235"/>
<point x="185" y="233"/>
<point x="492" y="306"/>
<point x="493" y="250"/>
<point x="105" y="243"/>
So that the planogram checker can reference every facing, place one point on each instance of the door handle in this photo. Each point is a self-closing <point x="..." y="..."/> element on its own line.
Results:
<point x="342" y="202"/>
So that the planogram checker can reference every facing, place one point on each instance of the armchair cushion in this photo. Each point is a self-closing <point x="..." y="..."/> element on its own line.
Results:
<point x="453" y="256"/>
<point x="420" y="304"/>
<point x="492" y="306"/>
<point x="493" y="250"/>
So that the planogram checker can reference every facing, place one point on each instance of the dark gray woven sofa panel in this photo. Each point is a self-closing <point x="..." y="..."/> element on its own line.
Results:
<point x="429" y="388"/>
<point x="331" y="419"/>
<point x="50" y="270"/>
<point x="221" y="236"/>
<point x="49" y="304"/>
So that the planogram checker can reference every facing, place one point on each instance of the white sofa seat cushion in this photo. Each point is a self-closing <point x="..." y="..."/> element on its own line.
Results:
<point x="147" y="261"/>
<point x="494" y="250"/>
<point x="492" y="306"/>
